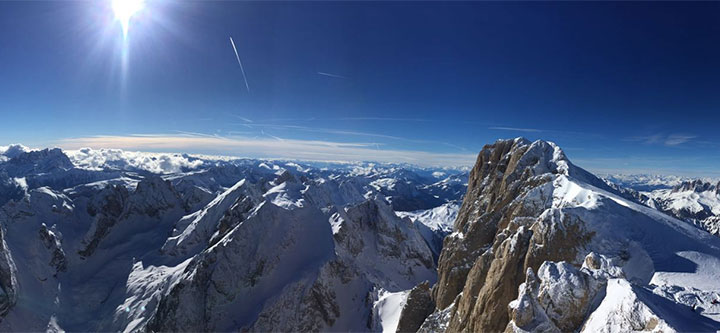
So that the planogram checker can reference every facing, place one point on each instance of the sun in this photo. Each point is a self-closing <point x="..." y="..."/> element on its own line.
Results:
<point x="124" y="11"/>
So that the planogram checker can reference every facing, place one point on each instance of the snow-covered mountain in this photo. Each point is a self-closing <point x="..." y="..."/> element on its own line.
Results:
<point x="696" y="201"/>
<point x="107" y="240"/>
<point x="434" y="224"/>
<point x="644" y="182"/>
<point x="542" y="245"/>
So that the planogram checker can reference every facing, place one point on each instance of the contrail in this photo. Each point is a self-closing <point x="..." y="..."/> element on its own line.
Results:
<point x="332" y="75"/>
<point x="240" y="63"/>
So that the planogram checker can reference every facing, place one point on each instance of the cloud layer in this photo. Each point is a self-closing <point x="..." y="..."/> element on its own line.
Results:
<point x="98" y="159"/>
<point x="310" y="150"/>
<point x="667" y="140"/>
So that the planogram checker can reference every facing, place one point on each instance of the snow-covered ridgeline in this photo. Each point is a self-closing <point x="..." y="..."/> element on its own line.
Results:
<point x="82" y="225"/>
<point x="567" y="252"/>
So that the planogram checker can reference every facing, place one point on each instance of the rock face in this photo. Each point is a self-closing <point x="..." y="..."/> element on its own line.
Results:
<point x="153" y="198"/>
<point x="8" y="277"/>
<point x="696" y="185"/>
<point x="232" y="279"/>
<point x="495" y="240"/>
<point x="528" y="209"/>
<point x="559" y="297"/>
<point x="434" y="224"/>
<point x="54" y="246"/>
<point x="418" y="306"/>
<point x="300" y="273"/>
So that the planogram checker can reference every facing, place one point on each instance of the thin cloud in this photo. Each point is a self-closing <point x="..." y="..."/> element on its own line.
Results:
<point x="272" y="136"/>
<point x="239" y="133"/>
<point x="674" y="140"/>
<point x="517" y="129"/>
<point x="337" y="76"/>
<point x="671" y="140"/>
<point x="184" y="133"/>
<point x="247" y="120"/>
<point x="455" y="146"/>
<point x="383" y="119"/>
<point x="312" y="150"/>
<point x="686" y="166"/>
<point x="348" y="133"/>
<point x="647" y="139"/>
<point x="237" y="56"/>
<point x="327" y="130"/>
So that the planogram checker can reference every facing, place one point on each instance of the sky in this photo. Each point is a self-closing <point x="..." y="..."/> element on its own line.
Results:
<point x="621" y="87"/>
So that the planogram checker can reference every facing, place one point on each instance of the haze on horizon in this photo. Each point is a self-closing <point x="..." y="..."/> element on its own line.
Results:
<point x="621" y="87"/>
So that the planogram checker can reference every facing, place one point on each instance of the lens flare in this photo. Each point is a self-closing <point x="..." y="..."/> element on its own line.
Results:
<point x="124" y="11"/>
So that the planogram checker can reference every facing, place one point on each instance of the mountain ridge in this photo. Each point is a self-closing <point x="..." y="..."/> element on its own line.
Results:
<point x="527" y="210"/>
<point x="525" y="241"/>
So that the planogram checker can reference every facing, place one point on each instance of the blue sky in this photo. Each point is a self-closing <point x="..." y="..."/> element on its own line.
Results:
<point x="627" y="87"/>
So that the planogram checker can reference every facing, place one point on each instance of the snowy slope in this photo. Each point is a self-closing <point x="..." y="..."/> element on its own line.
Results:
<point x="434" y="224"/>
<point x="107" y="240"/>
<point x="562" y="251"/>
<point x="656" y="252"/>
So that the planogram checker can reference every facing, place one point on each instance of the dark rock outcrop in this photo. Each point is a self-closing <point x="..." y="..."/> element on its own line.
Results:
<point x="8" y="277"/>
<point x="53" y="245"/>
<point x="152" y="198"/>
<point x="419" y="305"/>
<point x="696" y="185"/>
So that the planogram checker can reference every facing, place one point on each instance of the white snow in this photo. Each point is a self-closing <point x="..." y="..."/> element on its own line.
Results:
<point x="388" y="308"/>
<point x="644" y="182"/>
<point x="622" y="311"/>
<point x="196" y="229"/>
<point x="690" y="200"/>
<point x="145" y="286"/>
<point x="384" y="183"/>
<point x="287" y="195"/>
<point x="704" y="276"/>
<point x="440" y="218"/>
<point x="22" y="183"/>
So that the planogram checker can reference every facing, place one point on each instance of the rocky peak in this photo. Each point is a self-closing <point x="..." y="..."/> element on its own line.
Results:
<point x="14" y="150"/>
<point x="284" y="176"/>
<point x="153" y="195"/>
<point x="38" y="162"/>
<point x="503" y="172"/>
<point x="106" y="208"/>
<point x="110" y="201"/>
<point x="152" y="198"/>
<point x="505" y="227"/>
<point x="696" y="185"/>
<point x="379" y="241"/>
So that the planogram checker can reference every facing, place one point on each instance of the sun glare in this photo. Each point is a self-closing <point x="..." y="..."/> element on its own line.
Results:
<point x="124" y="11"/>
